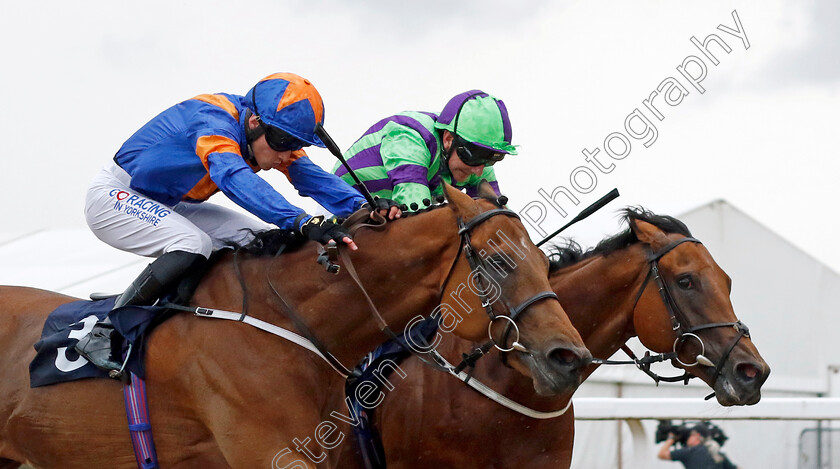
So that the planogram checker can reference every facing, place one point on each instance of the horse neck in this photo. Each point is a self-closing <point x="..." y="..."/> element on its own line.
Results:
<point x="401" y="268"/>
<point x="599" y="294"/>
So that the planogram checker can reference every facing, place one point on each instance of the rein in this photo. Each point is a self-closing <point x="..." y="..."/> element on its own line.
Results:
<point x="678" y="320"/>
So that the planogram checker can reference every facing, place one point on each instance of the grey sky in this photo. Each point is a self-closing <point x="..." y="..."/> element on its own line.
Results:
<point x="80" y="77"/>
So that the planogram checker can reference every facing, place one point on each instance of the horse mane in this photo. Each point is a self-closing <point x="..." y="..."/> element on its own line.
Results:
<point x="571" y="252"/>
<point x="268" y="242"/>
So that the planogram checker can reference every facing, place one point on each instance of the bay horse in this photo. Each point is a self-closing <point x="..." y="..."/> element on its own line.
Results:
<point x="610" y="296"/>
<point x="227" y="395"/>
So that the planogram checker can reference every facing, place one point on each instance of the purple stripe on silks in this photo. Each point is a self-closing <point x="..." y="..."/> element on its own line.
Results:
<point x="454" y="104"/>
<point x="409" y="173"/>
<point x="472" y="191"/>
<point x="428" y="137"/>
<point x="435" y="180"/>
<point x="376" y="185"/>
<point x="495" y="150"/>
<point x="495" y="186"/>
<point x="369" y="157"/>
<point x="505" y="120"/>
<point x="378" y="126"/>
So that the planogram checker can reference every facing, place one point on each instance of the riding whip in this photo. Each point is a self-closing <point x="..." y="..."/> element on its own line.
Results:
<point x="584" y="213"/>
<point x="333" y="148"/>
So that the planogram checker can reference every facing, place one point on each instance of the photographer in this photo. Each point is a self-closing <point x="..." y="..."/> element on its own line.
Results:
<point x="699" y="452"/>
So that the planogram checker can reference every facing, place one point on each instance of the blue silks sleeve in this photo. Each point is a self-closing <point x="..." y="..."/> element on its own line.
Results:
<point x="239" y="182"/>
<point x="330" y="191"/>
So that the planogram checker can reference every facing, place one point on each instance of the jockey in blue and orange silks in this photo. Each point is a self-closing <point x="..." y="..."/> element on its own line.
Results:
<point x="148" y="201"/>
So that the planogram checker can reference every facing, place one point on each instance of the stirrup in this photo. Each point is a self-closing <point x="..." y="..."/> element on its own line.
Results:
<point x="120" y="374"/>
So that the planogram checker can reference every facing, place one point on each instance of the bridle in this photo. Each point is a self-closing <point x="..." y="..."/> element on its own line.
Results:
<point x="680" y="325"/>
<point x="477" y="265"/>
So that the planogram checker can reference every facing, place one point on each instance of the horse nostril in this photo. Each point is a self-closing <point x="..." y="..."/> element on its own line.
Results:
<point x="568" y="358"/>
<point x="563" y="356"/>
<point x="747" y="372"/>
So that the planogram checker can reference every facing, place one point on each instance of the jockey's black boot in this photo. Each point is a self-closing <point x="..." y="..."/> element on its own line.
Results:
<point x="102" y="345"/>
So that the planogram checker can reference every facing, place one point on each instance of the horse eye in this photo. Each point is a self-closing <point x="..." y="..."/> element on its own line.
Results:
<point x="498" y="263"/>
<point x="685" y="282"/>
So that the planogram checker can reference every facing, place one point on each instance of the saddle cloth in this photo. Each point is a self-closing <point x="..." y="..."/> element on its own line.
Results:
<point x="56" y="361"/>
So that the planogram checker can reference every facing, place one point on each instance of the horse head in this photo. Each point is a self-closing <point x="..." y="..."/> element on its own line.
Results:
<point x="683" y="306"/>
<point x="498" y="270"/>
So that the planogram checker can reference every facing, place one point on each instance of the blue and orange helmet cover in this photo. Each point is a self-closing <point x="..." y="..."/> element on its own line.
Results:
<point x="290" y="103"/>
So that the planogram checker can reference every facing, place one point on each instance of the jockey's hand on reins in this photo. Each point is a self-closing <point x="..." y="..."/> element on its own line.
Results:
<point x="324" y="230"/>
<point x="384" y="207"/>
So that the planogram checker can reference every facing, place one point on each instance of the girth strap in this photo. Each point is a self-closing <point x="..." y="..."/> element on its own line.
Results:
<point x="137" y="411"/>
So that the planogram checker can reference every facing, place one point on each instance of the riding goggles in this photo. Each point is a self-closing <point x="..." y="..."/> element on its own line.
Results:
<point x="474" y="155"/>
<point x="279" y="140"/>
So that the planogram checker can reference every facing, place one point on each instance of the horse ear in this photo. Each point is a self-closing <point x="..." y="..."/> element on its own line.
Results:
<point x="463" y="204"/>
<point x="648" y="233"/>
<point x="485" y="190"/>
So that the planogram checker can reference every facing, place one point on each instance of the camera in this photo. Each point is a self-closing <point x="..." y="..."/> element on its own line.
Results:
<point x="665" y="427"/>
<point x="681" y="431"/>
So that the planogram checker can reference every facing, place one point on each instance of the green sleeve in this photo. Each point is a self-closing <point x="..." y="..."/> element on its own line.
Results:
<point x="406" y="159"/>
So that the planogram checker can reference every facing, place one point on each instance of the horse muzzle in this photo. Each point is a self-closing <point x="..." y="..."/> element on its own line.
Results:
<point x="556" y="369"/>
<point x="740" y="383"/>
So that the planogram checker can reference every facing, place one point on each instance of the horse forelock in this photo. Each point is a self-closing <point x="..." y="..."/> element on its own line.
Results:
<point x="570" y="252"/>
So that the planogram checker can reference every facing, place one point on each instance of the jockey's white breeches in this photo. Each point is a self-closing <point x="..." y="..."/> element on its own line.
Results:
<point x="132" y="222"/>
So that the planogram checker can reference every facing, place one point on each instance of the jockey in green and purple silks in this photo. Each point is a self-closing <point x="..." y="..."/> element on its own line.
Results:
<point x="405" y="157"/>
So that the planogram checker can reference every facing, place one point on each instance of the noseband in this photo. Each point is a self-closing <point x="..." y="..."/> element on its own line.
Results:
<point x="679" y="321"/>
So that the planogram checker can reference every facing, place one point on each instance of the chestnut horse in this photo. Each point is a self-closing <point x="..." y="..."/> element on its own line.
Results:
<point x="610" y="296"/>
<point x="224" y="394"/>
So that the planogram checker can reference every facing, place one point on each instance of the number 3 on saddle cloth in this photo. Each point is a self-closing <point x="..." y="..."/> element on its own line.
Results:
<point x="56" y="361"/>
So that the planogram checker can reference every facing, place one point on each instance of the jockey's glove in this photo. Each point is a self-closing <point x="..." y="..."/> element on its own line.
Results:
<point x="380" y="203"/>
<point x="323" y="230"/>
